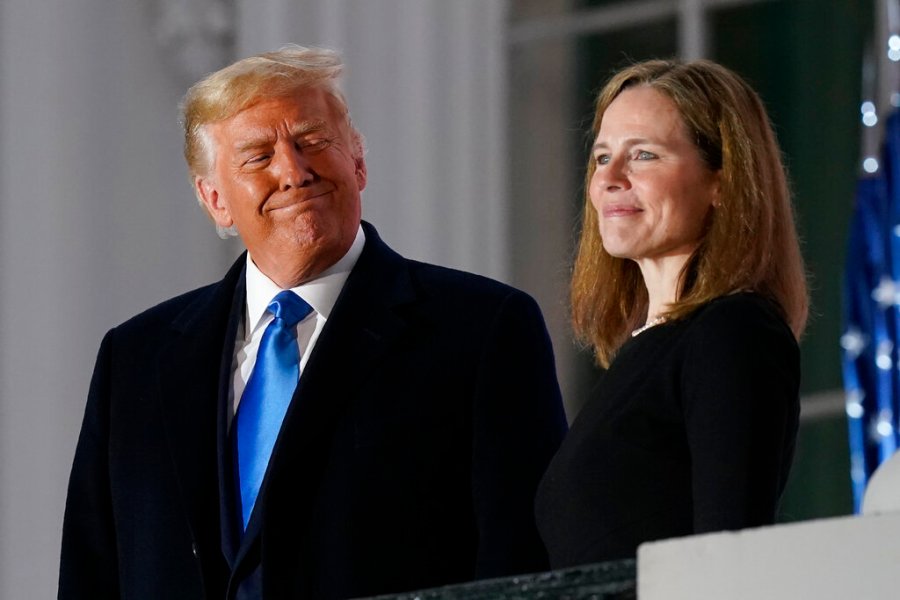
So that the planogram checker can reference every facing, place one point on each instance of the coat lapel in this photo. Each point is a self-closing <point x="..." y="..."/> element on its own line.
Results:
<point x="365" y="323"/>
<point x="190" y="370"/>
<point x="230" y="521"/>
<point x="363" y="326"/>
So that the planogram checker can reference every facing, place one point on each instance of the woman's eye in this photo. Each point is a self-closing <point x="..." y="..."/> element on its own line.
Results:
<point x="602" y="159"/>
<point x="644" y="155"/>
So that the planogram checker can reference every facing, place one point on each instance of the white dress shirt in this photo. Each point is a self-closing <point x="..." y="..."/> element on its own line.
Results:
<point x="320" y="293"/>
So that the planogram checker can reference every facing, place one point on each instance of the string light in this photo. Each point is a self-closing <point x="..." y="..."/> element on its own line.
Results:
<point x="894" y="48"/>
<point x="869" y="118"/>
<point x="854" y="405"/>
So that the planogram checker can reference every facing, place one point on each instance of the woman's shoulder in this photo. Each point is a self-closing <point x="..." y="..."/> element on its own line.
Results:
<point x="742" y="317"/>
<point x="740" y="308"/>
<point x="739" y="349"/>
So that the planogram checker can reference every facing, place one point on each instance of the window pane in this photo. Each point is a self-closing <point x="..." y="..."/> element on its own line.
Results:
<point x="599" y="56"/>
<point x="806" y="63"/>
<point x="552" y="87"/>
<point x="544" y="173"/>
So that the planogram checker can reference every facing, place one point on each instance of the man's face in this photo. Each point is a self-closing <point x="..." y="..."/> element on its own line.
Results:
<point x="287" y="173"/>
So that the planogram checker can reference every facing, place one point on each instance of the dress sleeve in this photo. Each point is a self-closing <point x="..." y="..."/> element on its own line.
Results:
<point x="740" y="388"/>
<point x="519" y="423"/>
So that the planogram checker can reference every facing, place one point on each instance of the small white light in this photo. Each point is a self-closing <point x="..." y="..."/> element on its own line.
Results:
<point x="854" y="410"/>
<point x="884" y="428"/>
<point x="894" y="42"/>
<point x="883" y="355"/>
<point x="884" y="294"/>
<point x="853" y="342"/>
<point x="897" y="230"/>
<point x="894" y="55"/>
<point x="870" y="165"/>
<point x="869" y="115"/>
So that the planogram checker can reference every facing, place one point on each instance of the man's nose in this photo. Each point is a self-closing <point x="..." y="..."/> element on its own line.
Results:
<point x="293" y="169"/>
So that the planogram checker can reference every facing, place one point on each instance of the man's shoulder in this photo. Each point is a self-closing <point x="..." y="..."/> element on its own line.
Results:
<point x="436" y="281"/>
<point x="168" y="311"/>
<point x="469" y="296"/>
<point x="209" y="300"/>
<point x="457" y="282"/>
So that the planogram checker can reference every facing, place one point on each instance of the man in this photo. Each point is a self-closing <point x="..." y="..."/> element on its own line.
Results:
<point x="408" y="454"/>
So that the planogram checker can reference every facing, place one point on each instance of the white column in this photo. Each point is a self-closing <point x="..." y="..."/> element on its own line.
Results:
<point x="97" y="222"/>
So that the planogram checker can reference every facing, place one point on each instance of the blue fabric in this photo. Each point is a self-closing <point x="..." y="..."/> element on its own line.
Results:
<point x="267" y="396"/>
<point x="871" y="317"/>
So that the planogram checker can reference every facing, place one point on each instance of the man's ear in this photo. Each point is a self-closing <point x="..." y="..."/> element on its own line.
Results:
<point x="359" y="152"/>
<point x="361" y="173"/>
<point x="209" y="197"/>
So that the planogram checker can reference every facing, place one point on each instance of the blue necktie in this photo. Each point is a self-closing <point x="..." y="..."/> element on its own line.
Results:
<point x="268" y="395"/>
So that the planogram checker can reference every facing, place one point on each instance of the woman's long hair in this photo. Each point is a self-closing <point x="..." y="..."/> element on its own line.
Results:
<point x="751" y="241"/>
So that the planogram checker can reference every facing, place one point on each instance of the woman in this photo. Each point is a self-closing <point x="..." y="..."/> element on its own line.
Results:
<point x="690" y="287"/>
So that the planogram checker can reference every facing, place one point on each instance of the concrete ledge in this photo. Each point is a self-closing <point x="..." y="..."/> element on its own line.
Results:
<point x="828" y="559"/>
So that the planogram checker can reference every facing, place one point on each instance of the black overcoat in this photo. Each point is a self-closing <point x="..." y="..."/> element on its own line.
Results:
<point x="408" y="458"/>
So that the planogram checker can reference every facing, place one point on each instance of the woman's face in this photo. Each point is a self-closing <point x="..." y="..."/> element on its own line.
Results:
<point x="651" y="190"/>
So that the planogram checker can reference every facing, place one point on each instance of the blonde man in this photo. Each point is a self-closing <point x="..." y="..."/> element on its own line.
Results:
<point x="422" y="404"/>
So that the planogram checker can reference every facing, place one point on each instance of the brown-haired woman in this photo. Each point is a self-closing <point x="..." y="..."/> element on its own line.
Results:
<point x="690" y="288"/>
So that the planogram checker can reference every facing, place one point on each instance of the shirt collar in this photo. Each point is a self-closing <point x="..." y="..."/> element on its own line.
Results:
<point x="321" y="292"/>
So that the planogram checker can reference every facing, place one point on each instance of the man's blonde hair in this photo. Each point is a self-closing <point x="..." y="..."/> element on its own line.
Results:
<point x="238" y="86"/>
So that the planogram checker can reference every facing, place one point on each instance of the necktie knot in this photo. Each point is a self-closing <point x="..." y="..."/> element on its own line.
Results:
<point x="290" y="307"/>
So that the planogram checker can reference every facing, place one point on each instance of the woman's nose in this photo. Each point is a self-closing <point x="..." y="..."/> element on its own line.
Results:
<point x="613" y="175"/>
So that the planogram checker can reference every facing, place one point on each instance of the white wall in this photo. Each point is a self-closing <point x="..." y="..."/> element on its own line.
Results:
<point x="97" y="221"/>
<point x="825" y="559"/>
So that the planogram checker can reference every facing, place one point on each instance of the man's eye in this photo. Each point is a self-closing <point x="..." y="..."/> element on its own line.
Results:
<point x="315" y="144"/>
<point x="259" y="158"/>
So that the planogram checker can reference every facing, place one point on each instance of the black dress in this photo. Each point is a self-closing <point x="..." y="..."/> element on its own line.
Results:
<point x="691" y="430"/>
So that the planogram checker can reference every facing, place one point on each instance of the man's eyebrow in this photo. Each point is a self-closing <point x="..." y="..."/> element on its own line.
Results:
<point x="254" y="142"/>
<point x="263" y="139"/>
<point x="305" y="127"/>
